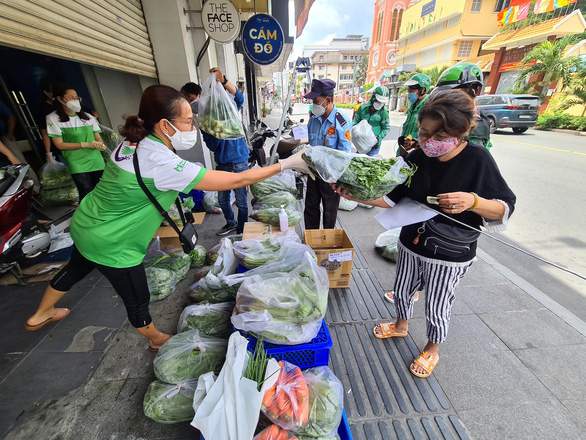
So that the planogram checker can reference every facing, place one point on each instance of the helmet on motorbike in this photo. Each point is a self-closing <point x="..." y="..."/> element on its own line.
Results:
<point x="381" y="94"/>
<point x="461" y="75"/>
<point x="419" y="79"/>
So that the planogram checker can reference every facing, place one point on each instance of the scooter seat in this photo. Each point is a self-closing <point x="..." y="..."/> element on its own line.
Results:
<point x="286" y="145"/>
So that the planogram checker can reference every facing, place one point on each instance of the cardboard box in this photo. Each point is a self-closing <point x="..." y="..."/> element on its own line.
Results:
<point x="169" y="236"/>
<point x="33" y="274"/>
<point x="334" y="252"/>
<point x="260" y="230"/>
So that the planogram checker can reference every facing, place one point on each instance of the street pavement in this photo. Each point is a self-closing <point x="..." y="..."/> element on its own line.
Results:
<point x="513" y="366"/>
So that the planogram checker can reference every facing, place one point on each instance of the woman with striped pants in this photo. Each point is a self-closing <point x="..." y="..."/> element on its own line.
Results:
<point x="462" y="182"/>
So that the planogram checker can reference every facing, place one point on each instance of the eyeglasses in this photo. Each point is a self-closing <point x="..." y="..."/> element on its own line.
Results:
<point x="189" y="121"/>
<point x="69" y="98"/>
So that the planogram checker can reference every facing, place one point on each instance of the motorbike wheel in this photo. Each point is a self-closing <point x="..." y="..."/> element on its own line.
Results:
<point x="34" y="259"/>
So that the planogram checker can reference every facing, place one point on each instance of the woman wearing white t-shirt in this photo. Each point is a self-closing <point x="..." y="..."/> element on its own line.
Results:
<point x="76" y="134"/>
<point x="114" y="224"/>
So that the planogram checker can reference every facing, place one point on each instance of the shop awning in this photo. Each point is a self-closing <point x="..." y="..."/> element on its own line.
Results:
<point x="573" y="23"/>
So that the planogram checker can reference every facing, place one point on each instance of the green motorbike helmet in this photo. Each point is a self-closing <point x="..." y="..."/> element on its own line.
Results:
<point x="460" y="75"/>
<point x="419" y="79"/>
<point x="381" y="94"/>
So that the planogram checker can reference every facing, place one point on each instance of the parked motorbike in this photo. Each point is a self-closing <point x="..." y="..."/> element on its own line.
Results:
<point x="23" y="241"/>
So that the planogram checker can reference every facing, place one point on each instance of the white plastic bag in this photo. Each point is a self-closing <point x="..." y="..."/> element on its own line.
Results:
<point x="59" y="240"/>
<point x="284" y="181"/>
<point x="363" y="137"/>
<point x="386" y="243"/>
<point x="209" y="319"/>
<point x="204" y="385"/>
<point x="254" y="253"/>
<point x="169" y="403"/>
<point x="347" y="205"/>
<point x="218" y="115"/>
<point x="231" y="409"/>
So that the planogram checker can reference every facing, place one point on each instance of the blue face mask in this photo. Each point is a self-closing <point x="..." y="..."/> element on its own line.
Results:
<point x="412" y="97"/>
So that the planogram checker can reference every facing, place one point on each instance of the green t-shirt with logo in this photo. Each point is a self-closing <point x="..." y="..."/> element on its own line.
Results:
<point x="73" y="131"/>
<point x="115" y="222"/>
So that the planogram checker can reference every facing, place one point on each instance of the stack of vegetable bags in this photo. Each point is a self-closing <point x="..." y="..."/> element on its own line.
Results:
<point x="253" y="253"/>
<point x="271" y="194"/>
<point x="210" y="202"/>
<point x="164" y="267"/>
<point x="57" y="186"/>
<point x="365" y="178"/>
<point x="304" y="405"/>
<point x="178" y="365"/>
<point x="209" y="319"/>
<point x="218" y="115"/>
<point x="284" y="307"/>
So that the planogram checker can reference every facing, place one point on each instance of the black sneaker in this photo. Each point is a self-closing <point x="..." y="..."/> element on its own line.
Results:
<point x="226" y="229"/>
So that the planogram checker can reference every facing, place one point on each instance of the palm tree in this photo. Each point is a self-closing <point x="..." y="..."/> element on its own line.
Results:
<point x="576" y="91"/>
<point x="546" y="59"/>
<point x="361" y="69"/>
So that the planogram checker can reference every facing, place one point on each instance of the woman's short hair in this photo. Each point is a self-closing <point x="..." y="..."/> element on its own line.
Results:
<point x="453" y="108"/>
<point x="157" y="102"/>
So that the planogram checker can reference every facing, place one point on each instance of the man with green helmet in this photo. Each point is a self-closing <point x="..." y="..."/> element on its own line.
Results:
<point x="377" y="115"/>
<point x="468" y="78"/>
<point x="417" y="87"/>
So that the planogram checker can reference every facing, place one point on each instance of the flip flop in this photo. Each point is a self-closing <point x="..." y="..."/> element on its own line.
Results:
<point x="390" y="297"/>
<point x="32" y="328"/>
<point x="425" y="361"/>
<point x="153" y="349"/>
<point x="387" y="331"/>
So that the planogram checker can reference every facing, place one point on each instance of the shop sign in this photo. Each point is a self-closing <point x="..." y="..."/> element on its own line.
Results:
<point x="428" y="8"/>
<point x="262" y="38"/>
<point x="220" y="20"/>
<point x="515" y="66"/>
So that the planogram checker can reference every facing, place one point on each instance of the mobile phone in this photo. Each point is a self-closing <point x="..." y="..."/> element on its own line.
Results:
<point x="433" y="200"/>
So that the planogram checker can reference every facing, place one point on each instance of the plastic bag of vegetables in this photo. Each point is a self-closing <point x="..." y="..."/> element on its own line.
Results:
<point x="286" y="403"/>
<point x="253" y="253"/>
<point x="177" y="261"/>
<point x="170" y="403"/>
<point x="326" y="403"/>
<point x="284" y="308"/>
<point x="111" y="140"/>
<point x="386" y="244"/>
<point x="275" y="200"/>
<point x="209" y="319"/>
<point x="271" y="216"/>
<point x="188" y="355"/>
<point x="58" y="196"/>
<point x="55" y="174"/>
<point x="275" y="432"/>
<point x="284" y="181"/>
<point x="198" y="256"/>
<point x="218" y="114"/>
<point x="365" y="178"/>
<point x="161" y="282"/>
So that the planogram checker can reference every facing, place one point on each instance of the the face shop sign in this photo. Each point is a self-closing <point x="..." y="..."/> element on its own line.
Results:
<point x="220" y="20"/>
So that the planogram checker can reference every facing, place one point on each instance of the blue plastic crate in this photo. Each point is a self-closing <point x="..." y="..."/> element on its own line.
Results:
<point x="242" y="268"/>
<point x="312" y="354"/>
<point x="58" y="256"/>
<point x="197" y="197"/>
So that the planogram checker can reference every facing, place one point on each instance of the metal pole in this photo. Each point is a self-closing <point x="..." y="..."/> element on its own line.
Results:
<point x="353" y="79"/>
<point x="283" y="115"/>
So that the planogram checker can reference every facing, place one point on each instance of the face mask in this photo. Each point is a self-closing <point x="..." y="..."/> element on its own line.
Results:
<point x="182" y="140"/>
<point x="377" y="105"/>
<point x="74" y="106"/>
<point x="412" y="97"/>
<point x="319" y="110"/>
<point x="435" y="148"/>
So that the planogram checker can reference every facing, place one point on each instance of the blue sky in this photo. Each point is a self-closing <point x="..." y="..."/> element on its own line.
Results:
<point x="335" y="18"/>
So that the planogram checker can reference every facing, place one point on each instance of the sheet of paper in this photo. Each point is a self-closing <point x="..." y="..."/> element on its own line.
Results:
<point x="406" y="212"/>
<point x="300" y="132"/>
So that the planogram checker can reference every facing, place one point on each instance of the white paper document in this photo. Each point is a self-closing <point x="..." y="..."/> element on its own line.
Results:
<point x="300" y="132"/>
<point x="404" y="213"/>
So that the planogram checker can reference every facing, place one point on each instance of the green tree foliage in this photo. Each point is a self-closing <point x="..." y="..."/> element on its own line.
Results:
<point x="576" y="90"/>
<point x="546" y="59"/>
<point x="434" y="73"/>
<point x="361" y="69"/>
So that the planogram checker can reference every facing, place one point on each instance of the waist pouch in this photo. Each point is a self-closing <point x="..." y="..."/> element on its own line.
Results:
<point x="445" y="240"/>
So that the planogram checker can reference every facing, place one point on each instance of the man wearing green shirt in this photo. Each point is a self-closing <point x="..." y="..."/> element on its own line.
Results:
<point x="377" y="115"/>
<point x="417" y="88"/>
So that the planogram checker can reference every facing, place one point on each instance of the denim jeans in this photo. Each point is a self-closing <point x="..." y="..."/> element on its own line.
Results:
<point x="241" y="197"/>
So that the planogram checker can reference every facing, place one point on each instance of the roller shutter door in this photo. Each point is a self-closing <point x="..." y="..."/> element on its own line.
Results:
<point x="107" y="33"/>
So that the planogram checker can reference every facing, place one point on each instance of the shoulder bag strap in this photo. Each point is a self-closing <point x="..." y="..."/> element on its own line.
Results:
<point x="154" y="201"/>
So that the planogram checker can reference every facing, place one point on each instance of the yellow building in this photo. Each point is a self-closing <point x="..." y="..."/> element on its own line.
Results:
<point x="445" y="32"/>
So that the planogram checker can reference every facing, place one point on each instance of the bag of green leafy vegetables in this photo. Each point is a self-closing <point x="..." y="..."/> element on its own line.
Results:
<point x="177" y="261"/>
<point x="217" y="111"/>
<point x="365" y="178"/>
<point x="170" y="403"/>
<point x="284" y="181"/>
<point x="59" y="196"/>
<point x="326" y="403"/>
<point x="209" y="319"/>
<point x="188" y="355"/>
<point x="161" y="282"/>
<point x="253" y="253"/>
<point x="284" y="308"/>
<point x="271" y="216"/>
<point x="198" y="256"/>
<point x="275" y="200"/>
<point x="55" y="174"/>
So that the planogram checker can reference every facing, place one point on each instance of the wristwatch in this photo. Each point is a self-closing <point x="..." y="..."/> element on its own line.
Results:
<point x="225" y="80"/>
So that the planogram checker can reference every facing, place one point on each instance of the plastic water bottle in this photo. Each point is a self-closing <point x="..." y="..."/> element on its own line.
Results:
<point x="283" y="219"/>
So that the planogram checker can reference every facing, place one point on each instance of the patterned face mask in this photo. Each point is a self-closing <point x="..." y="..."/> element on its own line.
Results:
<point x="435" y="148"/>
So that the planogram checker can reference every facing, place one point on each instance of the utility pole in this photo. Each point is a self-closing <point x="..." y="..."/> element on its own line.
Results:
<point x="353" y="78"/>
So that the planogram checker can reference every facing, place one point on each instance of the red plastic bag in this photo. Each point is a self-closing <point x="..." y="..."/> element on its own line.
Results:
<point x="286" y="403"/>
<point x="275" y="432"/>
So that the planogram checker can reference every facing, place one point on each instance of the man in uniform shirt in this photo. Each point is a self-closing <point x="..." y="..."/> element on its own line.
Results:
<point x="330" y="128"/>
<point x="417" y="92"/>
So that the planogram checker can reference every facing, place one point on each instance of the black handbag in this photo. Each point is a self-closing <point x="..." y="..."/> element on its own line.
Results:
<point x="446" y="240"/>
<point x="187" y="235"/>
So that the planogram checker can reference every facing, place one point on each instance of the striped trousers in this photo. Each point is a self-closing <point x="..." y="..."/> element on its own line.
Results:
<point x="439" y="278"/>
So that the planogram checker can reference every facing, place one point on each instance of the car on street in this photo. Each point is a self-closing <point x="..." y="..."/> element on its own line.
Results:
<point x="518" y="112"/>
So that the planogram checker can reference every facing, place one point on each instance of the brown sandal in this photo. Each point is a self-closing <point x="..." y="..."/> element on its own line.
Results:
<point x="387" y="330"/>
<point x="32" y="328"/>
<point x="427" y="362"/>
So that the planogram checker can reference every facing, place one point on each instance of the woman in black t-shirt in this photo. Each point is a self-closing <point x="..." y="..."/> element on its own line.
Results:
<point x="467" y="186"/>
